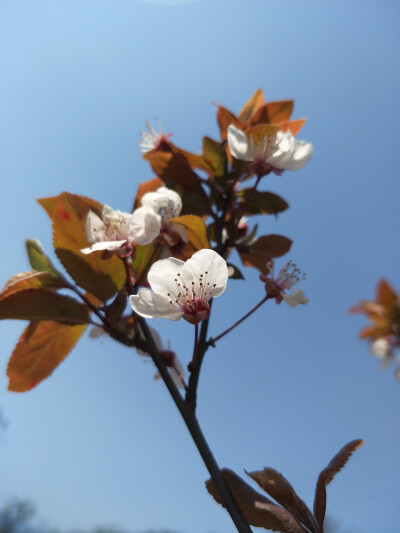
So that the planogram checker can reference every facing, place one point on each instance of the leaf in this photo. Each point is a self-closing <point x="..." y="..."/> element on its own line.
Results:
<point x="236" y="273"/>
<point x="194" y="160"/>
<point x="250" y="107"/>
<point x="215" y="155"/>
<point x="196" y="234"/>
<point x="41" y="304"/>
<point x="326" y="476"/>
<point x="259" y="202"/>
<point x="225" y="118"/>
<point x="38" y="259"/>
<point x="258" y="510"/>
<point x="177" y="174"/>
<point x="279" y="488"/>
<point x="386" y="296"/>
<point x="259" y="132"/>
<point x="88" y="274"/>
<point x="30" y="280"/>
<point x="39" y="351"/>
<point x="279" y="111"/>
<point x="102" y="278"/>
<point x="273" y="113"/>
<point x="144" y="188"/>
<point x="294" y="126"/>
<point x="49" y="205"/>
<point x="145" y="257"/>
<point x="263" y="249"/>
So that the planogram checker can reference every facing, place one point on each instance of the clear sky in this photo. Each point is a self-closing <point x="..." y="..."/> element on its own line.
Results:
<point x="101" y="441"/>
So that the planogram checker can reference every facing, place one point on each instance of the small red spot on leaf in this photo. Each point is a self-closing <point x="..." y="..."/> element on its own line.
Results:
<point x="65" y="215"/>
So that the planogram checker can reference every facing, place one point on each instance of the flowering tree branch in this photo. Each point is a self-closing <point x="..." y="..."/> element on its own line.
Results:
<point x="168" y="259"/>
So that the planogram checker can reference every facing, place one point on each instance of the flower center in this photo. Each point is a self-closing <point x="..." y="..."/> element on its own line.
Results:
<point x="114" y="228"/>
<point x="288" y="276"/>
<point x="193" y="300"/>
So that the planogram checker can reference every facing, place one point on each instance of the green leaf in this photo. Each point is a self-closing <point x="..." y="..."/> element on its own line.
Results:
<point x="258" y="202"/>
<point x="41" y="304"/>
<point x="38" y="259"/>
<point x="215" y="154"/>
<point x="40" y="349"/>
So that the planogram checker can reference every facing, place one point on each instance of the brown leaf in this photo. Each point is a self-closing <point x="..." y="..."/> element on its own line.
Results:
<point x="263" y="249"/>
<point x="225" y="118"/>
<point x="144" y="188"/>
<point x="385" y="295"/>
<point x="294" y="126"/>
<point x="177" y="174"/>
<point x="259" y="132"/>
<point x="49" y="205"/>
<point x="273" y="113"/>
<point x="261" y="202"/>
<point x="326" y="476"/>
<point x="38" y="352"/>
<point x="89" y="274"/>
<point x="279" y="488"/>
<point x="215" y="155"/>
<point x="258" y="510"/>
<point x="30" y="280"/>
<point x="102" y="278"/>
<point x="194" y="160"/>
<point x="196" y="231"/>
<point x="252" y="106"/>
<point x="41" y="304"/>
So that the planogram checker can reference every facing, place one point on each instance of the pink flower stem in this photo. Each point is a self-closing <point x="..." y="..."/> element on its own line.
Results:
<point x="213" y="340"/>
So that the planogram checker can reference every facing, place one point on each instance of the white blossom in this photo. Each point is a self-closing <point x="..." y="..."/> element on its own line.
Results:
<point x="182" y="288"/>
<point x="288" y="276"/>
<point x="381" y="348"/>
<point x="280" y="151"/>
<point x="152" y="139"/>
<point x="166" y="202"/>
<point x="120" y="232"/>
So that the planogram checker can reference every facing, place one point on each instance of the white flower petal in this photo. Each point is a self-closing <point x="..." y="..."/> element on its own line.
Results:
<point x="152" y="305"/>
<point x="144" y="225"/>
<point x="104" y="245"/>
<point x="162" y="276"/>
<point x="96" y="332"/>
<point x="300" y="156"/>
<point x="238" y="143"/>
<point x="297" y="297"/>
<point x="381" y="348"/>
<point x="207" y="260"/>
<point x="164" y="201"/>
<point x="94" y="227"/>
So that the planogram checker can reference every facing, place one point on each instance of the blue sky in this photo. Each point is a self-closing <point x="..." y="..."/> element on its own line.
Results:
<point x="101" y="441"/>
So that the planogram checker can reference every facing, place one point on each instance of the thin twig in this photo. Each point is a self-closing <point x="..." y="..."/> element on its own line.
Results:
<point x="213" y="340"/>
